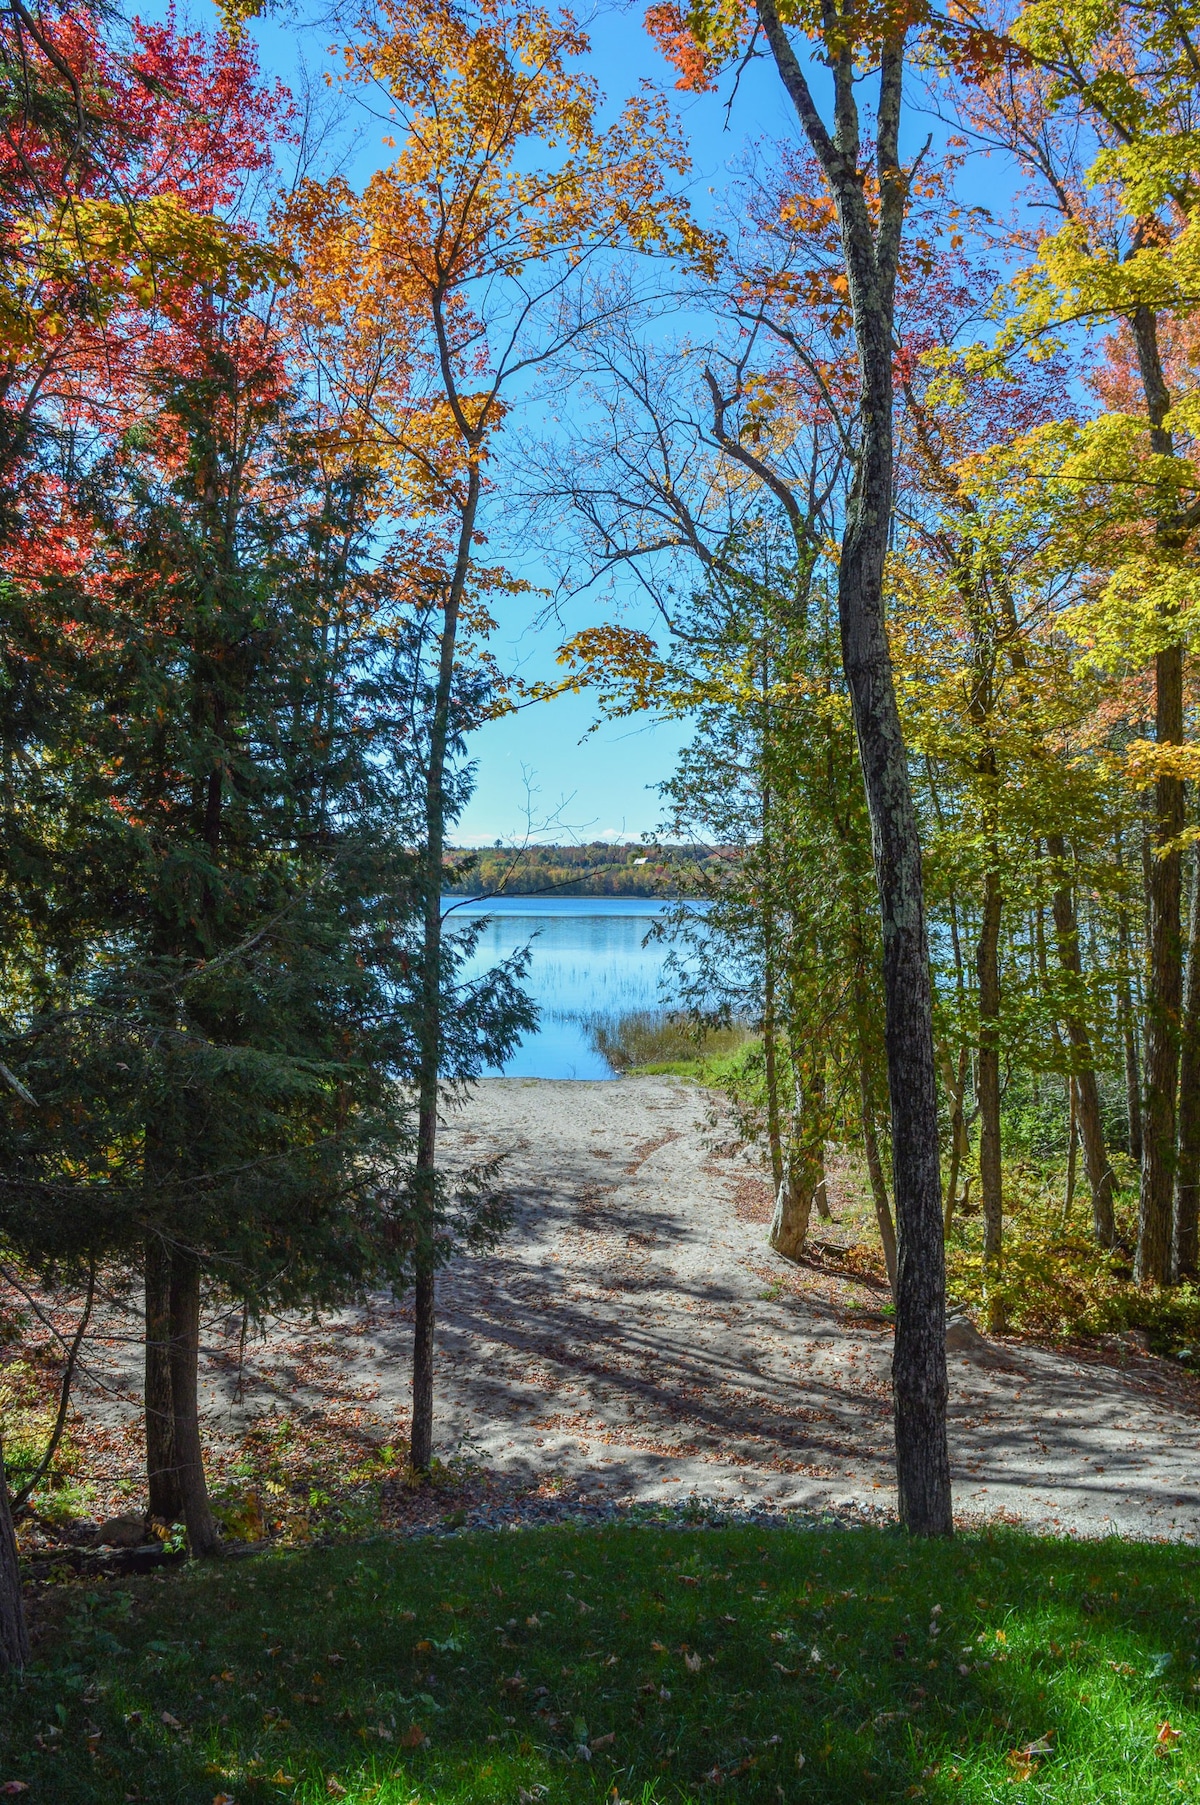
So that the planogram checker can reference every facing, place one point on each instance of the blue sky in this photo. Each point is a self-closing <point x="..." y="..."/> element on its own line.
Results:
<point x="550" y="764"/>
<point x="550" y="769"/>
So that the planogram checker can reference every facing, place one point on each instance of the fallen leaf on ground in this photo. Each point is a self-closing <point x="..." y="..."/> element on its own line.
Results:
<point x="413" y="1737"/>
<point x="172" y="1723"/>
<point x="11" y="1788"/>
<point x="693" y="1663"/>
<point x="334" y="1787"/>
<point x="1166" y="1738"/>
<point x="604" y="1742"/>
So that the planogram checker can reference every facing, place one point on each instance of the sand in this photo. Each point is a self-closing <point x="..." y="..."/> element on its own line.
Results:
<point x="635" y="1337"/>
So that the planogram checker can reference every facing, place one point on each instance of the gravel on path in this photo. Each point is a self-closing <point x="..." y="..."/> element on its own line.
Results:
<point x="634" y="1341"/>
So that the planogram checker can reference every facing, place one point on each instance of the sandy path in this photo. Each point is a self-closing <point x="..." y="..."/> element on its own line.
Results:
<point x="634" y="1333"/>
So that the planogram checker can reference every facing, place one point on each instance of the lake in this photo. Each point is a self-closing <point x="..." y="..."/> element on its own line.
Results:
<point x="588" y="959"/>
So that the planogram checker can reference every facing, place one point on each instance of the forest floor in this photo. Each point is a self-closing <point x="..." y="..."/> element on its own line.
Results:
<point x="634" y="1341"/>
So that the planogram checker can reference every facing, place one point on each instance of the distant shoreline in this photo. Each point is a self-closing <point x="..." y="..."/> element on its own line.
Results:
<point x="544" y="894"/>
<point x="631" y="871"/>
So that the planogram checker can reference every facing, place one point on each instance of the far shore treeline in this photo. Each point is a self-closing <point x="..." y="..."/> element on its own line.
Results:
<point x="597" y="869"/>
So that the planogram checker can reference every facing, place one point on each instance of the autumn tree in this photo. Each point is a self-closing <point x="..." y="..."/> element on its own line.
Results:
<point x="1097" y="108"/>
<point x="455" y="276"/>
<point x="869" y="188"/>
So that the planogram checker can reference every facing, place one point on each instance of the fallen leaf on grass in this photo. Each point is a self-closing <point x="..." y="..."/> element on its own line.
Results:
<point x="658" y="1648"/>
<point x="1024" y="1761"/>
<point x="413" y="1737"/>
<point x="423" y="1647"/>
<point x="686" y="1579"/>
<point x="1166" y="1739"/>
<point x="172" y="1723"/>
<point x="11" y="1788"/>
<point x="603" y="1742"/>
<point x="693" y="1663"/>
<point x="334" y="1787"/>
<point x="224" y="1798"/>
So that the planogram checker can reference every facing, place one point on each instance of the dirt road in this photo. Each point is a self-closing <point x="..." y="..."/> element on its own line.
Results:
<point x="635" y="1334"/>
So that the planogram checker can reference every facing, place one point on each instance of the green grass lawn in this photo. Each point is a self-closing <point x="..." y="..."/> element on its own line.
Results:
<point x="623" y="1663"/>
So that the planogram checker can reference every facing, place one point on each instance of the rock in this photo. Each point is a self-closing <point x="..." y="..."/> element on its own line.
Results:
<point x="122" y="1532"/>
<point x="962" y="1336"/>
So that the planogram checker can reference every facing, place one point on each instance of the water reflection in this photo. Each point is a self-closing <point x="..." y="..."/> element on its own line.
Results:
<point x="589" y="959"/>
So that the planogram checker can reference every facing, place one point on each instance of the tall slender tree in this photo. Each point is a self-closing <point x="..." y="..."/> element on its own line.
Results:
<point x="869" y="187"/>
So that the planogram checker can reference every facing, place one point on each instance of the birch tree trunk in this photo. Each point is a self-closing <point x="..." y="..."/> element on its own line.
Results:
<point x="870" y="254"/>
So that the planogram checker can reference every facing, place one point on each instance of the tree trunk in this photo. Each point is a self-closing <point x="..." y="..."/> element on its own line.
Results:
<point x="988" y="1085"/>
<point x="771" y="1066"/>
<point x="185" y="1403"/>
<point x="162" y="1478"/>
<point x="1072" y="1149"/>
<point x="1133" y="1081"/>
<point x="1185" y="1255"/>
<point x="14" y="1639"/>
<point x="770" y="1021"/>
<point x="1086" y="1104"/>
<point x="821" y="1196"/>
<point x="803" y="1175"/>
<point x="421" y="1449"/>
<point x="870" y="252"/>
<point x="430" y="1062"/>
<point x="959" y="1144"/>
<point x="1152" y="1265"/>
<point x="793" y="1209"/>
<point x="875" y="1172"/>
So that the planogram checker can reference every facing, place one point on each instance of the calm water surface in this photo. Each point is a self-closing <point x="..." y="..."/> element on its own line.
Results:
<point x="588" y="959"/>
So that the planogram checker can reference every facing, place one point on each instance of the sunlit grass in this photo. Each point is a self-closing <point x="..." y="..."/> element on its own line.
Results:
<point x="630" y="1662"/>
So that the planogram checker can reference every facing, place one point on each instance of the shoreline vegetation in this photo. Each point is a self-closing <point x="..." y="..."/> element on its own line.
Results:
<point x="665" y="873"/>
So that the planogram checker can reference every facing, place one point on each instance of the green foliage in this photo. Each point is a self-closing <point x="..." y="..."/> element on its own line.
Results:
<point x="653" y="1663"/>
